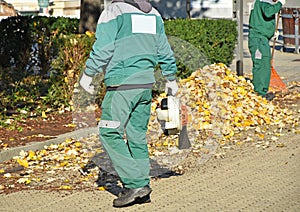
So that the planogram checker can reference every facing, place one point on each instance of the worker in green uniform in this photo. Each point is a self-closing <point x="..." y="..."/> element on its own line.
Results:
<point x="130" y="42"/>
<point x="261" y="30"/>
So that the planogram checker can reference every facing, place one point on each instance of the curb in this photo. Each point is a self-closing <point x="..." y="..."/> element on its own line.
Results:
<point x="10" y="153"/>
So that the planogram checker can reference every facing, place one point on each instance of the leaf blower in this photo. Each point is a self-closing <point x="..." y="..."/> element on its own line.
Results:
<point x="173" y="117"/>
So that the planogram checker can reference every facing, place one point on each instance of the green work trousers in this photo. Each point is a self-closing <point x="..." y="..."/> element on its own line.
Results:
<point x="123" y="127"/>
<point x="261" y="59"/>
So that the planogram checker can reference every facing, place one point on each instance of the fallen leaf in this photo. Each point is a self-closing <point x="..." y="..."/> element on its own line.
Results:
<point x="65" y="187"/>
<point x="44" y="115"/>
<point x="102" y="188"/>
<point x="23" y="162"/>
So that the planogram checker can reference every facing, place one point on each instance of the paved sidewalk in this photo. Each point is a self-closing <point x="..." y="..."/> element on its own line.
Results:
<point x="248" y="179"/>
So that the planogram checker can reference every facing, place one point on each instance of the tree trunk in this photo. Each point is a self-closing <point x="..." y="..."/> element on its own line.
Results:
<point x="90" y="11"/>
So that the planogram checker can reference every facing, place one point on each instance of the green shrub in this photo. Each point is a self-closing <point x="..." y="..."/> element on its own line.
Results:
<point x="215" y="39"/>
<point x="28" y="45"/>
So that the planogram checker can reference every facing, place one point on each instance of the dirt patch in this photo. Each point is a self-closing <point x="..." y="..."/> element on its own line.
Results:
<point x="36" y="129"/>
<point x="40" y="129"/>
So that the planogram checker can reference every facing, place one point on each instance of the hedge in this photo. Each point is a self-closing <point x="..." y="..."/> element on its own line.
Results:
<point x="41" y="57"/>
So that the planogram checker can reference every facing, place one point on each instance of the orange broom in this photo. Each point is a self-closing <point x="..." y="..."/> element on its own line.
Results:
<point x="276" y="84"/>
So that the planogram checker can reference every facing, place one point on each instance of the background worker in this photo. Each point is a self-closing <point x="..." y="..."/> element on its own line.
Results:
<point x="261" y="30"/>
<point x="130" y="42"/>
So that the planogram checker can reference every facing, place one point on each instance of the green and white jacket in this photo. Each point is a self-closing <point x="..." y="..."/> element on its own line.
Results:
<point x="262" y="18"/>
<point x="130" y="42"/>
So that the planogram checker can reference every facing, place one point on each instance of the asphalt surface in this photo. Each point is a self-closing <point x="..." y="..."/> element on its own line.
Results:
<point x="247" y="179"/>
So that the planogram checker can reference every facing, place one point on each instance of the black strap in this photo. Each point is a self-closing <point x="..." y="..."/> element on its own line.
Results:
<point x="129" y="87"/>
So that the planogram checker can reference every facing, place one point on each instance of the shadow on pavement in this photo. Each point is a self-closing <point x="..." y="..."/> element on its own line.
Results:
<point x="108" y="178"/>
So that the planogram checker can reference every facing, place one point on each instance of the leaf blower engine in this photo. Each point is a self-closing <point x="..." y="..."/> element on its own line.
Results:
<point x="172" y="117"/>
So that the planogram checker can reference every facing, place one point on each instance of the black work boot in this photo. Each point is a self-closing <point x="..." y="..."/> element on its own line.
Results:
<point x="130" y="195"/>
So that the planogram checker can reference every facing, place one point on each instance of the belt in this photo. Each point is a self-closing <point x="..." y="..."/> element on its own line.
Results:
<point x="129" y="87"/>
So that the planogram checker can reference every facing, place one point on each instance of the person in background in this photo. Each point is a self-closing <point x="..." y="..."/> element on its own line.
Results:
<point x="130" y="42"/>
<point x="261" y="30"/>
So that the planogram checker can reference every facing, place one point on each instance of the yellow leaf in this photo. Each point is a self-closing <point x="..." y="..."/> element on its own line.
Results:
<point x="43" y="152"/>
<point x="26" y="181"/>
<point x="157" y="144"/>
<point x="207" y="112"/>
<point x="239" y="143"/>
<point x="23" y="163"/>
<point x="236" y="119"/>
<point x="84" y="179"/>
<point x="102" y="188"/>
<point x="66" y="187"/>
<point x="77" y="144"/>
<point x="267" y="120"/>
<point x="227" y="72"/>
<point x="31" y="155"/>
<point x="64" y="163"/>
<point x="200" y="109"/>
<point x="44" y="115"/>
<point x="231" y="134"/>
<point x="165" y="143"/>
<point x="206" y="105"/>
<point x="68" y="140"/>
<point x="262" y="136"/>
<point x="70" y="125"/>
<point x="279" y="134"/>
<point x="67" y="157"/>
<point x="238" y="124"/>
<point x="248" y="123"/>
<point x="88" y="33"/>
<point x="66" y="79"/>
<point x="2" y="171"/>
<point x="4" y="145"/>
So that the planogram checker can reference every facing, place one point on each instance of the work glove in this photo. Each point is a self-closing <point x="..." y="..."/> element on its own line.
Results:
<point x="282" y="2"/>
<point x="171" y="88"/>
<point x="85" y="82"/>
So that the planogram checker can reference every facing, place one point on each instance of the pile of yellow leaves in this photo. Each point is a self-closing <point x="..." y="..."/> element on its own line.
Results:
<point x="220" y="105"/>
